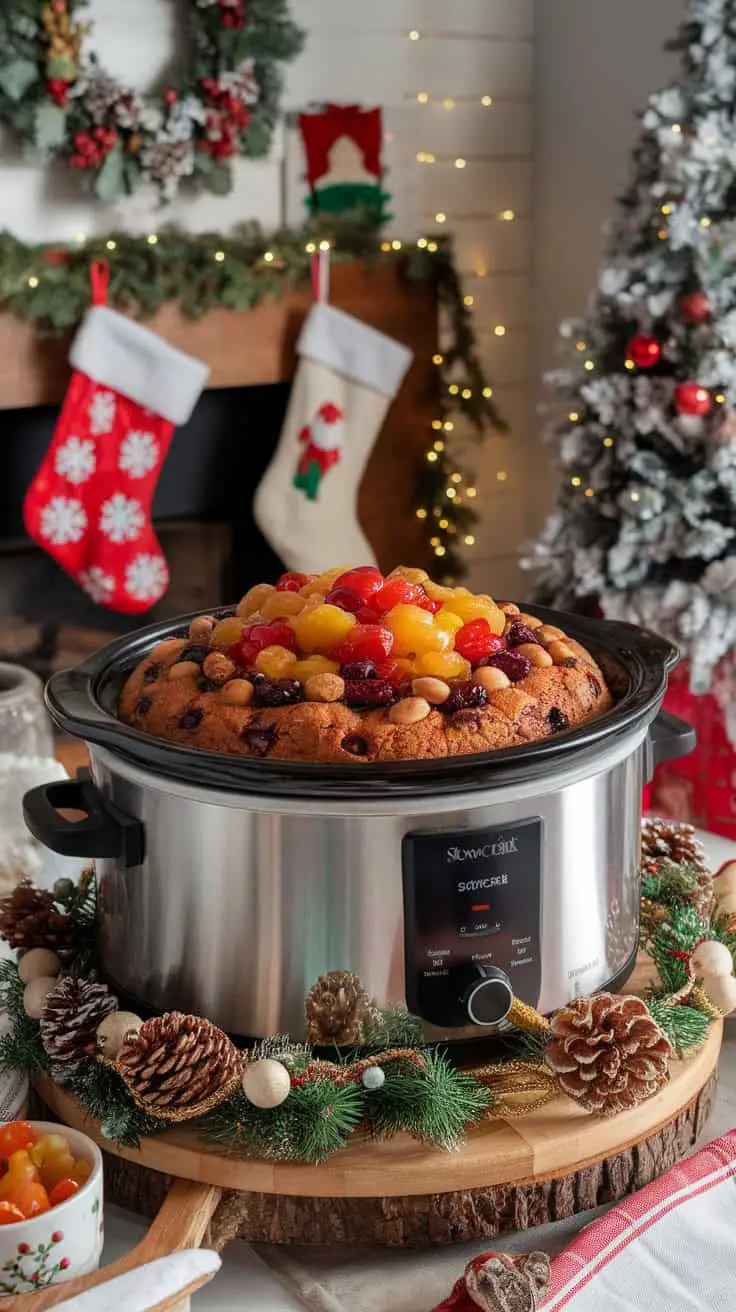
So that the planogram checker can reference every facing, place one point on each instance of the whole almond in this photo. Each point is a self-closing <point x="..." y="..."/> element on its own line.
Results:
<point x="410" y="710"/>
<point x="531" y="621"/>
<point x="184" y="670"/>
<point x="201" y="628"/>
<point x="238" y="692"/>
<point x="535" y="653"/>
<point x="491" y="679"/>
<point x="509" y="608"/>
<point x="324" y="688"/>
<point x="548" y="633"/>
<point x="434" y="691"/>
<point x="218" y="667"/>
<point x="559" y="651"/>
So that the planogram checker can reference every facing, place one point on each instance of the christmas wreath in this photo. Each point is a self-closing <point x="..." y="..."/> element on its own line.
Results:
<point x="288" y="1101"/>
<point x="56" y="95"/>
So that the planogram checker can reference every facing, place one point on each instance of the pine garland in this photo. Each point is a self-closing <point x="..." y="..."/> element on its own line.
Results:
<point x="49" y="287"/>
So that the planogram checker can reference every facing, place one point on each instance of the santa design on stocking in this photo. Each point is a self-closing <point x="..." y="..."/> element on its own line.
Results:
<point x="323" y="441"/>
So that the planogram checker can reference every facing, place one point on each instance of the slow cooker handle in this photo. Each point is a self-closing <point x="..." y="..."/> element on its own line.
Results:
<point x="105" y="831"/>
<point x="668" y="739"/>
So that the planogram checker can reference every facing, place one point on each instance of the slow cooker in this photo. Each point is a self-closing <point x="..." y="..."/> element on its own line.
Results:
<point x="228" y="885"/>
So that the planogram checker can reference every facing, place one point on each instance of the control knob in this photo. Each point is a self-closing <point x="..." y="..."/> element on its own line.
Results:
<point x="487" y="995"/>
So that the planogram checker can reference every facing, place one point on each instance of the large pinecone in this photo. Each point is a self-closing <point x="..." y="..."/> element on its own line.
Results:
<point x="607" y="1052"/>
<point x="179" y="1066"/>
<point x="662" y="841"/>
<point x="29" y="918"/>
<point x="69" y="1021"/>
<point x="338" y="1009"/>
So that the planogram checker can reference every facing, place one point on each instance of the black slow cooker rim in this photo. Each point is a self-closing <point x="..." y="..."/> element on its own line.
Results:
<point x="79" y="701"/>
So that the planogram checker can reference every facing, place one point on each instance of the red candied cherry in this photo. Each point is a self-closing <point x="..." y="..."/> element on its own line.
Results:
<point x="346" y="598"/>
<point x="427" y="603"/>
<point x="291" y="582"/>
<point x="243" y="653"/>
<point x="475" y="641"/>
<point x="396" y="592"/>
<point x="365" y="642"/>
<point x="391" y="672"/>
<point x="367" y="615"/>
<point x="364" y="579"/>
<point x="275" y="634"/>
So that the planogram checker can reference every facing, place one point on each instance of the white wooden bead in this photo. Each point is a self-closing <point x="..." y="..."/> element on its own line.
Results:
<point x="266" y="1083"/>
<point x="721" y="989"/>
<point x="112" y="1031"/>
<point x="36" y="993"/>
<point x="37" y="964"/>
<point x="712" y="958"/>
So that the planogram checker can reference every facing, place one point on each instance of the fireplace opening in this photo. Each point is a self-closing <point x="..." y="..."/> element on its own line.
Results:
<point x="202" y="514"/>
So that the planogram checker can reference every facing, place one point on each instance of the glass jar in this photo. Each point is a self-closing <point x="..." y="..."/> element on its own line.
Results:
<point x="26" y="759"/>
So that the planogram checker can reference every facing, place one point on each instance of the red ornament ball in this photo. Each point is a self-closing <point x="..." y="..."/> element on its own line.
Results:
<point x="695" y="308"/>
<point x="692" y="399"/>
<point x="644" y="351"/>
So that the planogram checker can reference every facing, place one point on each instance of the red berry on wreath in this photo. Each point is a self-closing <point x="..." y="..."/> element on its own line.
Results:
<point x="645" y="351"/>
<point x="694" y="308"/>
<point x="692" y="399"/>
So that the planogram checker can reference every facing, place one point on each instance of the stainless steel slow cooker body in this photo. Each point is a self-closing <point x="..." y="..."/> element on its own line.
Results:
<point x="227" y="886"/>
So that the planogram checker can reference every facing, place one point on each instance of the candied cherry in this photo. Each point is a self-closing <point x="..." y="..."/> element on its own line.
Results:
<point x="396" y="592"/>
<point x="9" y="1213"/>
<point x="366" y="642"/>
<point x="275" y="634"/>
<point x="244" y="654"/>
<point x="364" y="579"/>
<point x="15" y="1136"/>
<point x="62" y="1190"/>
<point x="367" y="615"/>
<point x="392" y="672"/>
<point x="475" y="641"/>
<point x="291" y="582"/>
<point x="346" y="598"/>
<point x="429" y="603"/>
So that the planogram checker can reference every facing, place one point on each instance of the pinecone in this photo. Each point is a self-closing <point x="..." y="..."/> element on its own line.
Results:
<point x="662" y="841"/>
<point x="29" y="918"/>
<point x="69" y="1022"/>
<point x="607" y="1052"/>
<point x="338" y="1009"/>
<point x="178" y="1066"/>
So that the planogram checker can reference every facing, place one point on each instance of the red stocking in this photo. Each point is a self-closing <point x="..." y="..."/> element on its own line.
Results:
<point x="89" y="505"/>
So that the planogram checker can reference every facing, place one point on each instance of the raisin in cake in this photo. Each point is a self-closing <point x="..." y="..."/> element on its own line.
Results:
<point x="349" y="666"/>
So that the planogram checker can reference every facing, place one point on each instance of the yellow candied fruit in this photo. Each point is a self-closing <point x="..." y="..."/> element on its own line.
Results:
<point x="315" y="588"/>
<point x="254" y="598"/>
<point x="478" y="608"/>
<point x="449" y="620"/>
<point x="409" y="573"/>
<point x="311" y="666"/>
<point x="281" y="605"/>
<point x="407" y="667"/>
<point x="227" y="632"/>
<point x="415" y="631"/>
<point x="437" y="591"/>
<point x="277" y="662"/>
<point x="444" y="665"/>
<point x="321" y="629"/>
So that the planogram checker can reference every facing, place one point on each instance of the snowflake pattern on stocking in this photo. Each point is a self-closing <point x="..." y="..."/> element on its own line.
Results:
<point x="102" y="413"/>
<point x="122" y="518"/>
<point x="97" y="584"/>
<point x="147" y="577"/>
<point x="63" y="520"/>
<point x="138" y="454"/>
<point x="76" y="460"/>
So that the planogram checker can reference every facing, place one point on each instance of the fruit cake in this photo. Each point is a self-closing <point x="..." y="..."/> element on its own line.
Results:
<point x="350" y="665"/>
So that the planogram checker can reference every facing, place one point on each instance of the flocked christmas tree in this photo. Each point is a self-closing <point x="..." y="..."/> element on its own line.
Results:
<point x="645" y="523"/>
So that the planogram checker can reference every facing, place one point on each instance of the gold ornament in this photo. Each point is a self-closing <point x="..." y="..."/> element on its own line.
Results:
<point x="36" y="993"/>
<point x="710" y="959"/>
<point x="39" y="963"/>
<point x="112" y="1032"/>
<point x="721" y="990"/>
<point x="608" y="1052"/>
<point x="266" y="1083"/>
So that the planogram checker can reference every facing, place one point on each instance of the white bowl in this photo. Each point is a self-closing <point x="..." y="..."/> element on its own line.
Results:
<point x="62" y="1243"/>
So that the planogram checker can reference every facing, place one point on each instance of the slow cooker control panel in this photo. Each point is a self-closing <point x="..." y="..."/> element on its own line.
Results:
<point x="471" y="916"/>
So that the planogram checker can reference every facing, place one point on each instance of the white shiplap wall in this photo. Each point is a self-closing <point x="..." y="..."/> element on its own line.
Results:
<point x="358" y="52"/>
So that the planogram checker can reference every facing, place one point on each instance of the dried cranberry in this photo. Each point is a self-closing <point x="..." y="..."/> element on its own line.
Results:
<point x="194" y="653"/>
<point x="595" y="686"/>
<point x="514" y="665"/>
<point x="204" y="684"/>
<point x="467" y="719"/>
<point x="277" y="692"/>
<point x="143" y="706"/>
<point x="151" y="673"/>
<point x="519" y="633"/>
<point x="354" y="744"/>
<point x="260" y="738"/>
<point x="359" y="670"/>
<point x="557" y="719"/>
<point x="465" y="696"/>
<point x="569" y="663"/>
<point x="369" y="692"/>
<point x="191" y="719"/>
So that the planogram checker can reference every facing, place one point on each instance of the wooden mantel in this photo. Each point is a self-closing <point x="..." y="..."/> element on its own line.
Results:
<point x="256" y="347"/>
